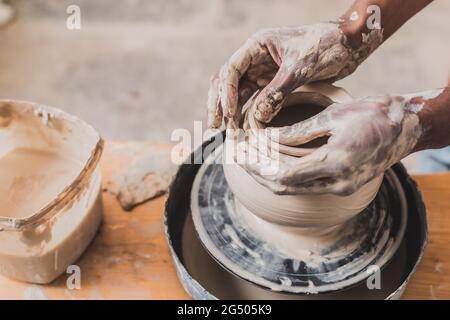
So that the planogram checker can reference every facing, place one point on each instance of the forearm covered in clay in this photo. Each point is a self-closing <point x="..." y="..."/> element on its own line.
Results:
<point x="361" y="18"/>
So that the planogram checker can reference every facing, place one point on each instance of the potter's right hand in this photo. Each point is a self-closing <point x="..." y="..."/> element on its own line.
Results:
<point x="366" y="137"/>
<point x="278" y="61"/>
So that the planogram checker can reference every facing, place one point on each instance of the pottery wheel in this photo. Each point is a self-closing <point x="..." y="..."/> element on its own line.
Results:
<point x="370" y="239"/>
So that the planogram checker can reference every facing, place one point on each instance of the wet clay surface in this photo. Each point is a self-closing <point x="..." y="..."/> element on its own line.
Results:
<point x="295" y="113"/>
<point x="32" y="178"/>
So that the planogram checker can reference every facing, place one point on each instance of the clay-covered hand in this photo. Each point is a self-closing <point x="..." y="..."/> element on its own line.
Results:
<point x="366" y="137"/>
<point x="278" y="61"/>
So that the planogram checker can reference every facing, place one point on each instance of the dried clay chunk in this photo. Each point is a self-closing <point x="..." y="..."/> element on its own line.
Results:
<point x="143" y="173"/>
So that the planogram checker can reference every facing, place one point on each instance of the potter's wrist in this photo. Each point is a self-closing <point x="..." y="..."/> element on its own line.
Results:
<point x="352" y="31"/>
<point x="355" y="24"/>
<point x="366" y="17"/>
<point x="434" y="117"/>
<point x="389" y="15"/>
<point x="358" y="39"/>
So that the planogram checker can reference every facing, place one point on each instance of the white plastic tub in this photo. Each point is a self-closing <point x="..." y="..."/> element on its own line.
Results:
<point x="50" y="190"/>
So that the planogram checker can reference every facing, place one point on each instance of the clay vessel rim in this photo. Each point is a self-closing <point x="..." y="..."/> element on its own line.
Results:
<point x="322" y="94"/>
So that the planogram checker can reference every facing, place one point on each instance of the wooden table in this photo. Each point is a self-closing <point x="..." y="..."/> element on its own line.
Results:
<point x="130" y="259"/>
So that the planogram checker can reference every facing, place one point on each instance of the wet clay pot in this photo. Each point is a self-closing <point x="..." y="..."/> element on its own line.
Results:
<point x="306" y="210"/>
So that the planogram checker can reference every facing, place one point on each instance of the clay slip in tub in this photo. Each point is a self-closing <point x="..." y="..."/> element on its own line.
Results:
<point x="50" y="190"/>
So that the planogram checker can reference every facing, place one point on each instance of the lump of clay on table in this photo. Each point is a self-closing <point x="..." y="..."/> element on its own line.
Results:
<point x="139" y="171"/>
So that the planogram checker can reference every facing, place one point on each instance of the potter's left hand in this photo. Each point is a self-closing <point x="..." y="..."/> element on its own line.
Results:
<point x="277" y="61"/>
<point x="366" y="137"/>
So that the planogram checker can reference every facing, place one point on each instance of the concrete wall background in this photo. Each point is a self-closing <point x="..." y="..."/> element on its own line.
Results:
<point x="138" y="69"/>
